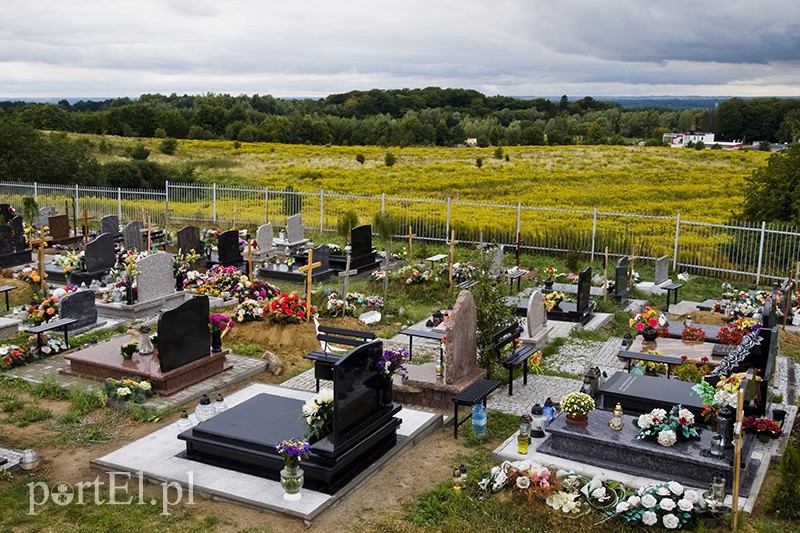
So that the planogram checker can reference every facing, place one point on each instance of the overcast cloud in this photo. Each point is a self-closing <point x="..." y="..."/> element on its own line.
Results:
<point x="115" y="48"/>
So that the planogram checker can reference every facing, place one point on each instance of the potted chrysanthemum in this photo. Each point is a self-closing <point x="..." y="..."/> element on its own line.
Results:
<point x="577" y="406"/>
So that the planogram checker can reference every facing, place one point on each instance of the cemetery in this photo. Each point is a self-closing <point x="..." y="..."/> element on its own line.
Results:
<point x="265" y="370"/>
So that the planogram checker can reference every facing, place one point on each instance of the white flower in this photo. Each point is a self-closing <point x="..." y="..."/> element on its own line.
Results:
<point x="3" y="350"/>
<point x="523" y="482"/>
<point x="46" y="349"/>
<point x="325" y="396"/>
<point x="145" y="385"/>
<point x="648" y="501"/>
<point x="676" y="488"/>
<point x="685" y="505"/>
<point x="310" y="408"/>
<point x="670" y="521"/>
<point x="634" y="501"/>
<point x="693" y="496"/>
<point x="123" y="391"/>
<point x="725" y="398"/>
<point x="667" y="437"/>
<point x="658" y="413"/>
<point x="649" y="518"/>
<point x="667" y="504"/>
<point x="685" y="413"/>
<point x="622" y="507"/>
<point x="662" y="491"/>
<point x="599" y="493"/>
<point x="645" y="421"/>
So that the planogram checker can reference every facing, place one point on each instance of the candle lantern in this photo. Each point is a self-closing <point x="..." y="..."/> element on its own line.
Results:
<point x="549" y="410"/>
<point x="524" y="436"/>
<point x="204" y="409"/>
<point x="538" y="421"/>
<point x="616" y="423"/>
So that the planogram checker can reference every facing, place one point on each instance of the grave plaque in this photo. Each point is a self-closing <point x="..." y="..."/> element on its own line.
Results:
<point x="537" y="314"/>
<point x="662" y="270"/>
<point x="155" y="278"/>
<point x="228" y="248"/>
<point x="99" y="254"/>
<point x="81" y="306"/>
<point x="183" y="334"/>
<point x="264" y="236"/>
<point x="132" y="235"/>
<point x="189" y="239"/>
<point x="109" y="224"/>
<point x="461" y="349"/>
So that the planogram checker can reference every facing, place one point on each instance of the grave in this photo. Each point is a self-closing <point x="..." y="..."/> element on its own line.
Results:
<point x="496" y="268"/>
<point x="132" y="235"/>
<point x="189" y="241"/>
<point x="294" y="237"/>
<point x="284" y="272"/>
<point x="362" y="256"/>
<point x="182" y="358"/>
<point x="44" y="216"/>
<point x="80" y="305"/>
<point x="243" y="438"/>
<point x="60" y="232"/>
<point x="460" y="362"/>
<point x="536" y="331"/>
<point x="13" y="248"/>
<point x="581" y="310"/>
<point x="621" y="288"/>
<point x="662" y="270"/>
<point x="155" y="287"/>
<point x="99" y="258"/>
<point x="228" y="252"/>
<point x="110" y="224"/>
<point x="264" y="236"/>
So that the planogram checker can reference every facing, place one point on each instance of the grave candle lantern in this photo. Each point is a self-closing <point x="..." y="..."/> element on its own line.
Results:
<point x="538" y="421"/>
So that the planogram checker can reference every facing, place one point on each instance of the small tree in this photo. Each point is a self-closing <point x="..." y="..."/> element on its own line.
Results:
<point x="479" y="162"/>
<point x="30" y="210"/>
<point x="384" y="224"/>
<point x="345" y="223"/>
<point x="140" y="152"/>
<point x="389" y="159"/>
<point x="493" y="313"/>
<point x="168" y="146"/>
<point x="498" y="152"/>
<point x="360" y="158"/>
<point x="785" y="496"/>
<point x="699" y="145"/>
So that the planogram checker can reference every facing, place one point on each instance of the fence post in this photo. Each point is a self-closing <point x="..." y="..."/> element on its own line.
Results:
<point x="447" y="227"/>
<point x="214" y="202"/>
<point x="35" y="193"/>
<point x="383" y="202"/>
<point x="77" y="204"/>
<point x="594" y="231"/>
<point x="675" y="248"/>
<point x="266" y="205"/>
<point x="761" y="250"/>
<point x="119" y="204"/>
<point x="321" y="209"/>
<point x="166" y="200"/>
<point x="519" y="220"/>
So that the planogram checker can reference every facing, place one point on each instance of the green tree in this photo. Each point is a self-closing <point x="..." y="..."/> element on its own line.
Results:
<point x="140" y="152"/>
<point x="360" y="158"/>
<point x="493" y="313"/>
<point x="773" y="192"/>
<point x="785" y="494"/>
<point x="389" y="159"/>
<point x="347" y="221"/>
<point x="168" y="146"/>
<point x="479" y="162"/>
<point x="498" y="152"/>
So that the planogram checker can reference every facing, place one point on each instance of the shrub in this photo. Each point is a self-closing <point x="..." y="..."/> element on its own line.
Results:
<point x="139" y="152"/>
<point x="785" y="496"/>
<point x="168" y="146"/>
<point x="479" y="162"/>
<point x="700" y="145"/>
<point x="360" y="158"/>
<point x="389" y="159"/>
<point x="347" y="221"/>
<point x="498" y="152"/>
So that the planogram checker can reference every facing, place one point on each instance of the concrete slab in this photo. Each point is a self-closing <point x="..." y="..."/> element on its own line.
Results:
<point x="156" y="456"/>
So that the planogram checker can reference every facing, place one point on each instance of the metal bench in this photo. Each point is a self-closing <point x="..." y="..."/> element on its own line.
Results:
<point x="630" y="357"/>
<point x="518" y="356"/>
<point x="467" y="283"/>
<point x="473" y="394"/>
<point x="6" y="289"/>
<point x="48" y="326"/>
<point x="325" y="359"/>
<point x="672" y="287"/>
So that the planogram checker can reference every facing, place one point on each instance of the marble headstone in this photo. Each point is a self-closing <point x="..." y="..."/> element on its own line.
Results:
<point x="228" y="248"/>
<point x="132" y="235"/>
<point x="189" y="239"/>
<point x="109" y="224"/>
<point x="59" y="226"/>
<point x="537" y="314"/>
<point x="99" y="254"/>
<point x="156" y="277"/>
<point x="295" y="232"/>
<point x="496" y="268"/>
<point x="264" y="236"/>
<point x="361" y="240"/>
<point x="662" y="269"/>
<point x="461" y="350"/>
<point x="183" y="335"/>
<point x="79" y="305"/>
<point x="44" y="215"/>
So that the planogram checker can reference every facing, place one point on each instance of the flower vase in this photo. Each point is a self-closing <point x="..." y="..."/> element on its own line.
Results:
<point x="649" y="334"/>
<point x="179" y="281"/>
<point x="292" y="481"/>
<point x="386" y="392"/>
<point x="129" y="299"/>
<point x="581" y="420"/>
<point x="725" y="427"/>
<point x="216" y="341"/>
<point x="548" y="285"/>
<point x="764" y="437"/>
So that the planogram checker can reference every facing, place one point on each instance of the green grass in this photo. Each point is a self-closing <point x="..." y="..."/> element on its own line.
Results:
<point x="28" y="415"/>
<point x="247" y="350"/>
<point x="49" y="388"/>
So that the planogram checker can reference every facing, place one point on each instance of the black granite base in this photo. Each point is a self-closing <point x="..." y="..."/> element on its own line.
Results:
<point x="56" y="273"/>
<point x="568" y="312"/>
<point x="686" y="462"/>
<point x="15" y="258"/>
<point x="244" y="438"/>
<point x="284" y="273"/>
<point x="642" y="394"/>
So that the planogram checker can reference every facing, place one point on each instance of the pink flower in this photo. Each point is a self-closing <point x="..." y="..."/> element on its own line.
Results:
<point x="639" y="327"/>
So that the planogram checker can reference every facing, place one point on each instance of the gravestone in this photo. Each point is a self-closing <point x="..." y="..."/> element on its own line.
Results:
<point x="584" y="290"/>
<point x="44" y="216"/>
<point x="496" y="268"/>
<point x="461" y="349"/>
<point x="12" y="251"/>
<point x="361" y="241"/>
<point x="295" y="232"/>
<point x="6" y="213"/>
<point x="155" y="279"/>
<point x="621" y="289"/>
<point x="18" y="233"/>
<point x="132" y="235"/>
<point x="81" y="306"/>
<point x="189" y="239"/>
<point x="537" y="316"/>
<point x="264" y="236"/>
<point x="228" y="248"/>
<point x="109" y="224"/>
<point x="662" y="270"/>
<point x="59" y="227"/>
<point x="6" y="240"/>
<point x="183" y="335"/>
<point x="100" y="254"/>
<point x="580" y="311"/>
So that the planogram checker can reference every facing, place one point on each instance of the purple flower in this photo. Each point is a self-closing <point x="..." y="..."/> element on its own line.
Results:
<point x="293" y="451"/>
<point x="393" y="361"/>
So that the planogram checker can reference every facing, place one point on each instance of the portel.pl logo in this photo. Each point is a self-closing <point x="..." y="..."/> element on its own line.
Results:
<point x="122" y="488"/>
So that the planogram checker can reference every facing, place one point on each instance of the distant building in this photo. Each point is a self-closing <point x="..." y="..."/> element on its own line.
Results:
<point x="681" y="140"/>
<point x="471" y="142"/>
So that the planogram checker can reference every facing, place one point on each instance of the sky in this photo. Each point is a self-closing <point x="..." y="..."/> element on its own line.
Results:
<point x="310" y="48"/>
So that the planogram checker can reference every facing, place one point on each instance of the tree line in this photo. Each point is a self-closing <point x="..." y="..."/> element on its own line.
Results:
<point x="407" y="117"/>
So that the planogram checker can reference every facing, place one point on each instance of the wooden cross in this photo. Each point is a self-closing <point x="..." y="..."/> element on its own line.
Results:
<point x="250" y="260"/>
<point x="86" y="219"/>
<point x="633" y="258"/>
<point x="737" y="458"/>
<point x="385" y="270"/>
<point x="346" y="275"/>
<point x="308" y="269"/>
<point x="410" y="236"/>
<point x="518" y="244"/>
<point x="41" y="242"/>
<point x="233" y="226"/>
<point x="453" y="243"/>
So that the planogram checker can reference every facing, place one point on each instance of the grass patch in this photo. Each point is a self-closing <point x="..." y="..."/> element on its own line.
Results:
<point x="553" y="347"/>
<point x="499" y="426"/>
<point x="248" y="350"/>
<point x="13" y="404"/>
<point x="99" y="426"/>
<point x="95" y="336"/>
<point x="49" y="388"/>
<point x="28" y="415"/>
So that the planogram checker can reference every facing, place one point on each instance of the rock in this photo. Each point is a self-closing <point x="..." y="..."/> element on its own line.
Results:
<point x="370" y="317"/>
<point x="273" y="363"/>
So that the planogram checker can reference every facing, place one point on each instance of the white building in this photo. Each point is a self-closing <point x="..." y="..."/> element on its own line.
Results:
<point x="681" y="140"/>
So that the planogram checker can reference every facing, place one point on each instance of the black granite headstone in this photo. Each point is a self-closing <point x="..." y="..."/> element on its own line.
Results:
<point x="99" y="254"/>
<point x="18" y="233"/>
<point x="189" y="239"/>
<point x="356" y="386"/>
<point x="322" y="255"/>
<point x="79" y="305"/>
<point x="132" y="235"/>
<point x="109" y="224"/>
<point x="621" y="288"/>
<point x="584" y="289"/>
<point x="228" y="248"/>
<point x="183" y="335"/>
<point x="641" y="394"/>
<point x="6" y="239"/>
<point x="361" y="240"/>
<point x="6" y="212"/>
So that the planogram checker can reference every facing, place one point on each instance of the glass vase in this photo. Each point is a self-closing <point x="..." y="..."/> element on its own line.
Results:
<point x="292" y="481"/>
<point x="216" y="341"/>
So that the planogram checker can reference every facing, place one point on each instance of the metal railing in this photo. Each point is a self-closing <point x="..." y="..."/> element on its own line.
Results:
<point x="739" y="250"/>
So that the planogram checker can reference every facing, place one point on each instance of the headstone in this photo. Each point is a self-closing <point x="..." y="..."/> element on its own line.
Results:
<point x="44" y="215"/>
<point x="189" y="239"/>
<point x="18" y="233"/>
<point x="59" y="227"/>
<point x="662" y="269"/>
<point x="228" y="248"/>
<point x="183" y="335"/>
<point x="99" y="254"/>
<point x="621" y="289"/>
<point x="584" y="289"/>
<point x="155" y="277"/>
<point x="356" y="383"/>
<point x="264" y="236"/>
<point x="132" y="235"/>
<point x="109" y="224"/>
<point x="461" y="349"/>
<point x="295" y="232"/>
<point x="537" y="314"/>
<point x="6" y="213"/>
<point x="322" y="255"/>
<point x="361" y="240"/>
<point x="79" y="305"/>
<point x="496" y="268"/>
<point x="6" y="239"/>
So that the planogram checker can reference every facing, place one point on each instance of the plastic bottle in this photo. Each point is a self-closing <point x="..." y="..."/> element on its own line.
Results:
<point x="479" y="420"/>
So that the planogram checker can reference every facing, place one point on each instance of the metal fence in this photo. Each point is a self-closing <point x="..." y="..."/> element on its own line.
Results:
<point x="739" y="250"/>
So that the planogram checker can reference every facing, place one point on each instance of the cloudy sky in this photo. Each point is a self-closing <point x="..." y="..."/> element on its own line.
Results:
<point x="108" y="48"/>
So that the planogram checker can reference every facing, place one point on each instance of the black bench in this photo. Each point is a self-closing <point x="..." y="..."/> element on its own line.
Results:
<point x="518" y="356"/>
<point x="630" y="357"/>
<point x="515" y="275"/>
<point x="48" y="326"/>
<point x="423" y="334"/>
<point x="6" y="289"/>
<point x="672" y="287"/>
<point x="324" y="359"/>
<point x="473" y="394"/>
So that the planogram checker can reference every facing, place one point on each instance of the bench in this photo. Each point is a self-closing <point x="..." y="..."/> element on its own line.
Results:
<point x="467" y="283"/>
<point x="48" y="326"/>
<point x="672" y="287"/>
<point x="6" y="289"/>
<point x="423" y="334"/>
<point x="435" y="259"/>
<point x="473" y="394"/>
<point x="518" y="357"/>
<point x="324" y="359"/>
<point x="630" y="357"/>
<point x="515" y="275"/>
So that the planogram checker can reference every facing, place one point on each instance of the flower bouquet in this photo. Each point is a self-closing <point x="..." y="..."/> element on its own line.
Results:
<point x="668" y="504"/>
<point x="135" y="389"/>
<point x="127" y="350"/>
<point x="338" y="307"/>
<point x="219" y="323"/>
<point x="286" y="309"/>
<point x="248" y="311"/>
<point x="762" y="426"/>
<point x="667" y="429"/>
<point x="577" y="405"/>
<point x="551" y="273"/>
<point x="293" y="451"/>
<point x="318" y="412"/>
<point x="393" y="360"/>
<point x="44" y="312"/>
<point x="648" y="318"/>
<point x="12" y="356"/>
<point x="693" y="334"/>
<point x="553" y="298"/>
